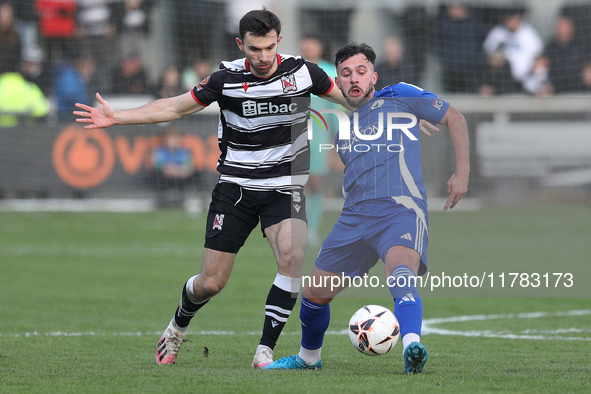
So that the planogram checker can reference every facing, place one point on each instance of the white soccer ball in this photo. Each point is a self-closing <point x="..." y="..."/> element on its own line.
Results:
<point x="374" y="330"/>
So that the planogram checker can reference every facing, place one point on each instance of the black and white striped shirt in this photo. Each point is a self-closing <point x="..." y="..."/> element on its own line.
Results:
<point x="262" y="131"/>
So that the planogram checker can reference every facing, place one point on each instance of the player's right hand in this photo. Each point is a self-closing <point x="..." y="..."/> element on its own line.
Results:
<point x="423" y="125"/>
<point x="99" y="118"/>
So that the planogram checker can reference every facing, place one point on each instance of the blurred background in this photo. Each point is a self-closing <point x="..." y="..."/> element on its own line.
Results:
<point x="520" y="71"/>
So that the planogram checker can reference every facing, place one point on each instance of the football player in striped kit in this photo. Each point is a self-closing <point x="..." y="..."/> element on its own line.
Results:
<point x="263" y="167"/>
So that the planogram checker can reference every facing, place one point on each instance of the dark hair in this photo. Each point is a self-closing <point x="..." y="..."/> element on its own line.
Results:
<point x="353" y="49"/>
<point x="259" y="23"/>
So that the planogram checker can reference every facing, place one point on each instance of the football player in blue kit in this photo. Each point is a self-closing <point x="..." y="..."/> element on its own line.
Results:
<point x="385" y="210"/>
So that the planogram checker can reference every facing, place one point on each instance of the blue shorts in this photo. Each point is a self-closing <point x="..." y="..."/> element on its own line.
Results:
<point x="366" y="230"/>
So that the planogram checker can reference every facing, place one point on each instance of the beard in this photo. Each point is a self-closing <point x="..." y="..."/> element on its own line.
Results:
<point x="356" y="102"/>
<point x="263" y="71"/>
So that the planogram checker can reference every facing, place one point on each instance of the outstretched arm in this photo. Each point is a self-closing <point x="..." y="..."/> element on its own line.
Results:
<point x="163" y="110"/>
<point x="457" y="185"/>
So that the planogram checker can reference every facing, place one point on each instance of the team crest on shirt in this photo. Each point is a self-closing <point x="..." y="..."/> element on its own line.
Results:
<point x="288" y="82"/>
<point x="218" y="222"/>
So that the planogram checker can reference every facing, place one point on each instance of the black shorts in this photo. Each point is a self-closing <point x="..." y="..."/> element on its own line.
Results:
<point x="234" y="212"/>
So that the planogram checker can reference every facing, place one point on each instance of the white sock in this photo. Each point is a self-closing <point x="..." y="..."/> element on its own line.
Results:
<point x="408" y="339"/>
<point x="262" y="347"/>
<point x="310" y="356"/>
<point x="286" y="283"/>
<point x="190" y="293"/>
<point x="177" y="328"/>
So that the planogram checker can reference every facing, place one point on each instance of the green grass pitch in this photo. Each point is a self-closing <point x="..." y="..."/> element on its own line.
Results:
<point x="84" y="298"/>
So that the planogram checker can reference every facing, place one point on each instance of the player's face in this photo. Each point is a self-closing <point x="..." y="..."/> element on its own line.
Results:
<point x="356" y="79"/>
<point x="261" y="52"/>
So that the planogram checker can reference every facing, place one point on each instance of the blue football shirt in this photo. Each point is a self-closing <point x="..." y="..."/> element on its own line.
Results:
<point x="388" y="164"/>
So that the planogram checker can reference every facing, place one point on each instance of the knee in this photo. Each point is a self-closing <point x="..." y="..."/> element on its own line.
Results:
<point x="209" y="287"/>
<point x="291" y="257"/>
<point x="315" y="296"/>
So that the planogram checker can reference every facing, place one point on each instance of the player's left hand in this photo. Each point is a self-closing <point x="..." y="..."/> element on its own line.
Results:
<point x="423" y="125"/>
<point x="457" y="186"/>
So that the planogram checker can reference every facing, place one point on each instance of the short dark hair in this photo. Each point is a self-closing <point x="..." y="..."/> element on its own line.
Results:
<point x="353" y="49"/>
<point x="259" y="23"/>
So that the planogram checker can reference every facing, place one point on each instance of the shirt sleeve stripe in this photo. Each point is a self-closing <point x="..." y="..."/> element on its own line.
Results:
<point x="196" y="99"/>
<point x="329" y="89"/>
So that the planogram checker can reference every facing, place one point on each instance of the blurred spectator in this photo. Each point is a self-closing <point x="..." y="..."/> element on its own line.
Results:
<point x="414" y="24"/>
<point x="130" y="76"/>
<point x="97" y="30"/>
<point x="173" y="168"/>
<point x="10" y="43"/>
<point x="333" y="24"/>
<point x="57" y="24"/>
<point x="199" y="70"/>
<point x="537" y="82"/>
<point x="396" y="67"/>
<point x="73" y="81"/>
<point x="497" y="78"/>
<point x="518" y="41"/>
<point x="133" y="21"/>
<point x="198" y="28"/>
<point x="565" y="57"/>
<point x="458" y="42"/>
<point x="585" y="77"/>
<point x="27" y="23"/>
<point x="170" y="83"/>
<point x="19" y="98"/>
<point x="312" y="49"/>
<point x="34" y="69"/>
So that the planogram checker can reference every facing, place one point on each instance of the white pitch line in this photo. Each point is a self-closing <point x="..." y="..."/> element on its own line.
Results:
<point x="428" y="328"/>
<point x="529" y="315"/>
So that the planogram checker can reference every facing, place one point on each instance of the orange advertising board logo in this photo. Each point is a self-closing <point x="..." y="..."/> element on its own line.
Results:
<point x="86" y="158"/>
<point x="83" y="158"/>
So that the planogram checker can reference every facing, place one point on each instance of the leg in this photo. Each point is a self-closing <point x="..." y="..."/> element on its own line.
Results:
<point x="226" y="230"/>
<point x="315" y="318"/>
<point x="214" y="275"/>
<point x="215" y="272"/>
<point x="288" y="241"/>
<point x="402" y="264"/>
<point x="341" y="252"/>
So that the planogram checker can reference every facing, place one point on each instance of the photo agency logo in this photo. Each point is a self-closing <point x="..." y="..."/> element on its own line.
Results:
<point x="376" y="134"/>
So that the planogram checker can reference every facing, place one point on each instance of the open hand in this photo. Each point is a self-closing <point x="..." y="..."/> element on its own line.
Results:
<point x="99" y="118"/>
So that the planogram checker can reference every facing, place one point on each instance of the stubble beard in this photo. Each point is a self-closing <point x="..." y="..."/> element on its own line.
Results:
<point x="356" y="102"/>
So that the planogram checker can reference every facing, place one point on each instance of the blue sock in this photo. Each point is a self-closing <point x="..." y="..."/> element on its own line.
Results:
<point x="408" y="307"/>
<point x="314" y="319"/>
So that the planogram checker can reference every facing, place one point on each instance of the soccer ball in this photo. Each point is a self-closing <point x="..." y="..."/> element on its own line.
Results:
<point x="374" y="330"/>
